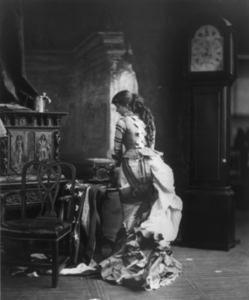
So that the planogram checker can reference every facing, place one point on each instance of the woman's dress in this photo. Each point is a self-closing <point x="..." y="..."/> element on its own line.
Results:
<point x="151" y="213"/>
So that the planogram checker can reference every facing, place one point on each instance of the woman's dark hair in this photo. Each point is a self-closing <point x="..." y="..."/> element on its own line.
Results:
<point x="136" y="104"/>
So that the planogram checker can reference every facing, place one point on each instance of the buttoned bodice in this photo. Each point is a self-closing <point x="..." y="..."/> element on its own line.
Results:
<point x="135" y="135"/>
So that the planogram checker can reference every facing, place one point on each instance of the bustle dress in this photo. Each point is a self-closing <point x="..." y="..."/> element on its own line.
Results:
<point x="151" y="213"/>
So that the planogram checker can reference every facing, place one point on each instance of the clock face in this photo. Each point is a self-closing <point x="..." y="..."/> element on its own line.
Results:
<point x="206" y="50"/>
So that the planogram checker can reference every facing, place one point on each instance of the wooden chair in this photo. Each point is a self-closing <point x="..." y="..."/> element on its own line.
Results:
<point x="51" y="225"/>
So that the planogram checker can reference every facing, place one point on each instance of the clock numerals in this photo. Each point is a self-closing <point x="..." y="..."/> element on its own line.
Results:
<point x="210" y="52"/>
<point x="207" y="31"/>
<point x="207" y="50"/>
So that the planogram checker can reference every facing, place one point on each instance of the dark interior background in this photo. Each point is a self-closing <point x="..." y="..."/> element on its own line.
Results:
<point x="154" y="30"/>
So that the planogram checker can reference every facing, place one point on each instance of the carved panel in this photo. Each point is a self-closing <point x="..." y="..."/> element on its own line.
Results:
<point x="30" y="136"/>
<point x="32" y="197"/>
<point x="26" y="145"/>
<point x="4" y="154"/>
<point x="57" y="138"/>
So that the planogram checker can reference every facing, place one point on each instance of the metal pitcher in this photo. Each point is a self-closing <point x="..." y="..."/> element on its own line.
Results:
<point x="41" y="102"/>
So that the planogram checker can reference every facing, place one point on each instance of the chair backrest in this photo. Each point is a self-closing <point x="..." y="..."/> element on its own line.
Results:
<point x="48" y="175"/>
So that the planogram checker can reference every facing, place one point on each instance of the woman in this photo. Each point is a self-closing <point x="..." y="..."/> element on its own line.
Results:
<point x="151" y="210"/>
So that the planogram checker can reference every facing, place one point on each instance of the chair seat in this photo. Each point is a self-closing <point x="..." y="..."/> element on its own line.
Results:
<point x="35" y="229"/>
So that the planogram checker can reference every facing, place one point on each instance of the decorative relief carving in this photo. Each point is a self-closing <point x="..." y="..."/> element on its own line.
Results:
<point x="43" y="145"/>
<point x="4" y="155"/>
<point x="31" y="121"/>
<point x="32" y="197"/>
<point x="57" y="121"/>
<point x="57" y="139"/>
<point x="4" y="120"/>
<point x="11" y="178"/>
<point x="16" y="120"/>
<point x="46" y="121"/>
<point x="29" y="137"/>
<point x="42" y="121"/>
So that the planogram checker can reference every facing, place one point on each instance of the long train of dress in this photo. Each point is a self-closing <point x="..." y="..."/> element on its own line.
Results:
<point x="143" y="255"/>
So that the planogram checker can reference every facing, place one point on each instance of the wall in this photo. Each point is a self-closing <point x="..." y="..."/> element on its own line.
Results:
<point x="240" y="99"/>
<point x="154" y="31"/>
<point x="82" y="82"/>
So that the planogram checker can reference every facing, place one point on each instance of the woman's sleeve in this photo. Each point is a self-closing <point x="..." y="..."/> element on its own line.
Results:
<point x="118" y="140"/>
<point x="154" y="138"/>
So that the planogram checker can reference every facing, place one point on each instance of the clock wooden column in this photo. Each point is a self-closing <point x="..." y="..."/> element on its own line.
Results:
<point x="209" y="208"/>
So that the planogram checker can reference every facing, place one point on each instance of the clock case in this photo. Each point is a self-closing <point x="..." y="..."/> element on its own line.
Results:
<point x="209" y="206"/>
<point x="229" y="72"/>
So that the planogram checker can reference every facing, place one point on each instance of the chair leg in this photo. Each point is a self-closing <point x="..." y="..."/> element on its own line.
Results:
<point x="55" y="264"/>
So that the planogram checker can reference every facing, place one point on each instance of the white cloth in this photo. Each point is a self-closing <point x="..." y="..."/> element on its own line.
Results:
<point x="85" y="217"/>
<point x="165" y="216"/>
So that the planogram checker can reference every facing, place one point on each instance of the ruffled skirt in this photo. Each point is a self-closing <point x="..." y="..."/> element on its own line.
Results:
<point x="143" y="256"/>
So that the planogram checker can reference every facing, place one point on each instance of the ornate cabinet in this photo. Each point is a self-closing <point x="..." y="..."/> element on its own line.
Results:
<point x="30" y="136"/>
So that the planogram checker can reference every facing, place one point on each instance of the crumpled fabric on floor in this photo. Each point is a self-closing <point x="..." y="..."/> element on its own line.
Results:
<point x="143" y="264"/>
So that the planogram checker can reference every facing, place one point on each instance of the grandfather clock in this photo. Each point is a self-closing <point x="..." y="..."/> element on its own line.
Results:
<point x="210" y="70"/>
